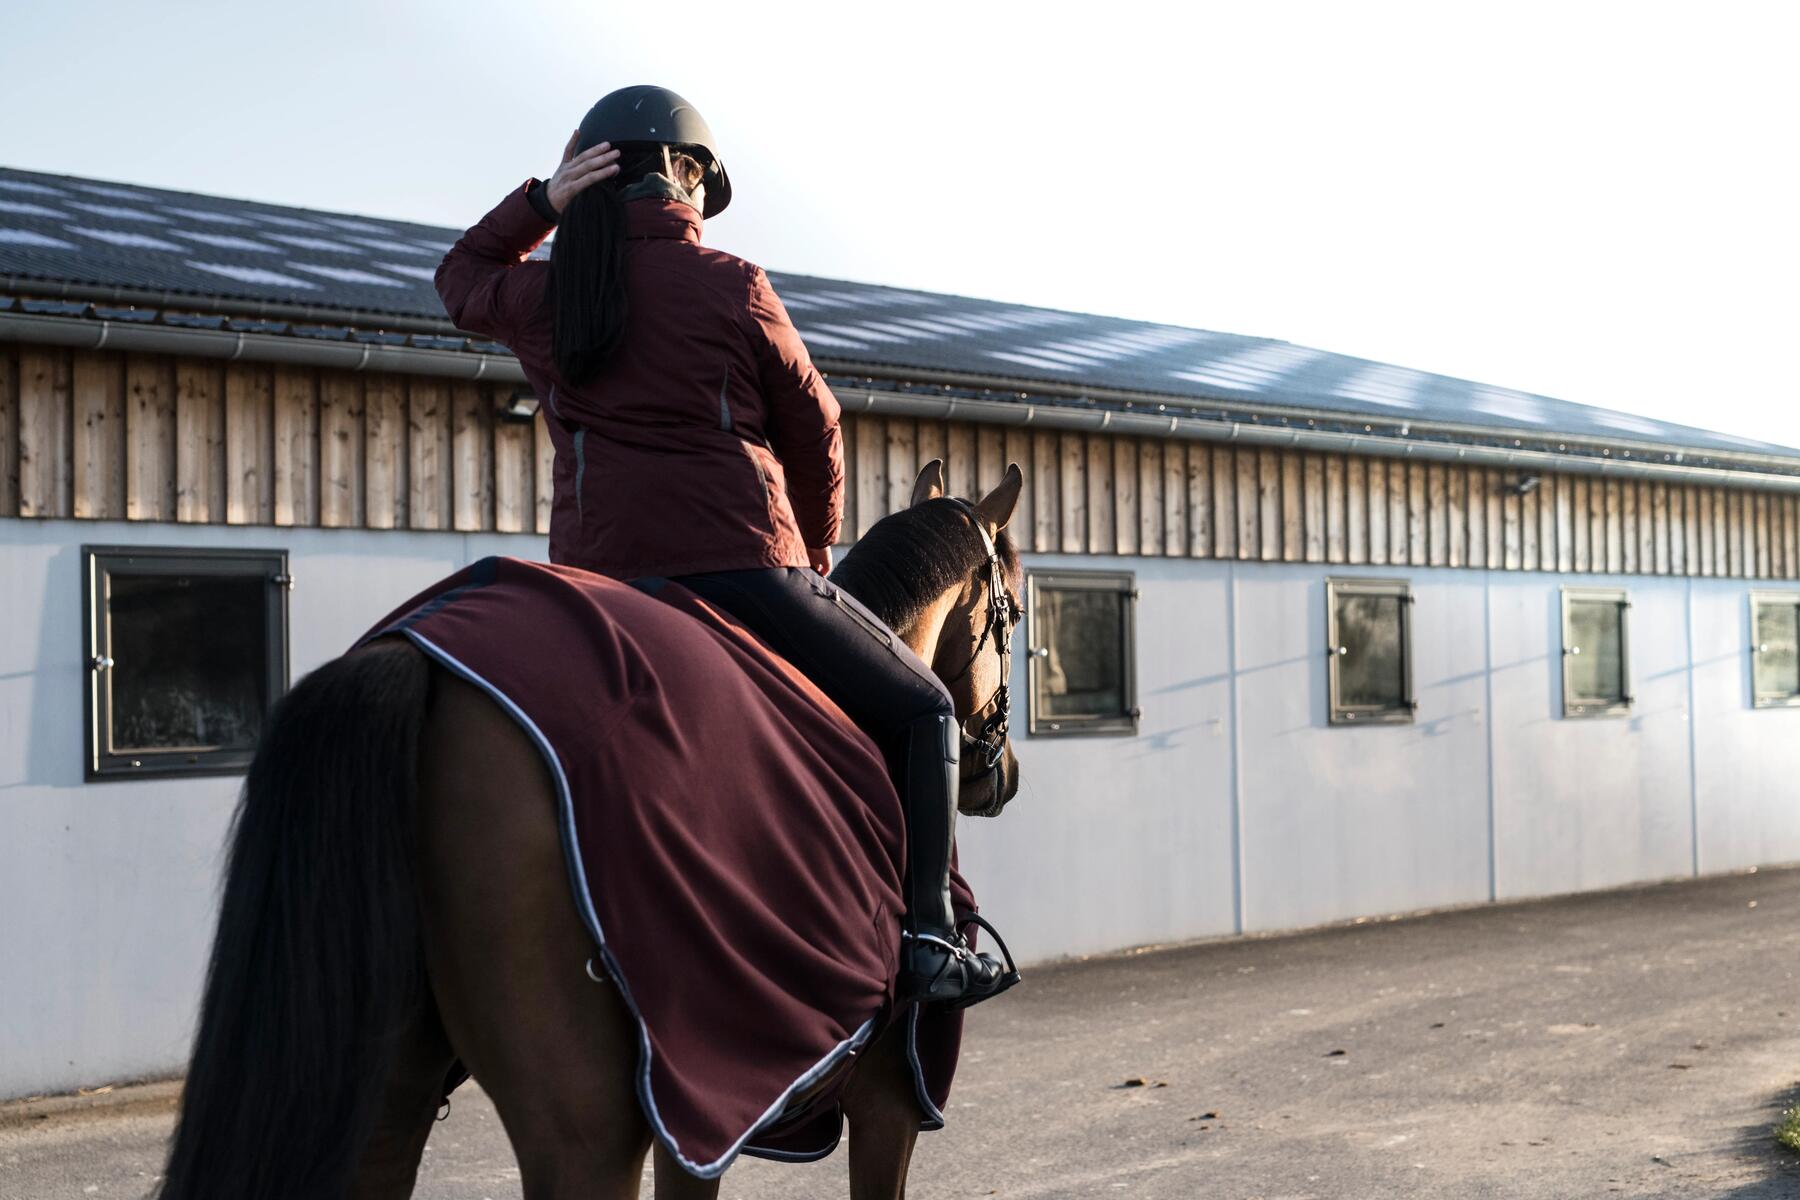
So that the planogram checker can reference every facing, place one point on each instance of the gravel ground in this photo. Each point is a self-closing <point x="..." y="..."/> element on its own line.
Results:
<point x="1635" y="1043"/>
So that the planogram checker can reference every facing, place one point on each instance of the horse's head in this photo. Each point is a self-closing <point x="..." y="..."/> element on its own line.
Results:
<point x="945" y="576"/>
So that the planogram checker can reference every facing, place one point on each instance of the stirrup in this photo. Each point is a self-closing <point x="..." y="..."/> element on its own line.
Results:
<point x="1008" y="979"/>
<point x="957" y="955"/>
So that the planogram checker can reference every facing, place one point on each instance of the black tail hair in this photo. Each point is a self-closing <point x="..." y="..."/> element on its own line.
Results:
<point x="317" y="962"/>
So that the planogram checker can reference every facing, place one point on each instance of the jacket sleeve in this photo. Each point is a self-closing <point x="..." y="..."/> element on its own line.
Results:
<point x="479" y="288"/>
<point x="802" y="419"/>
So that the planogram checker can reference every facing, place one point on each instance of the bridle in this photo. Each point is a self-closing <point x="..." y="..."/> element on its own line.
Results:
<point x="989" y="739"/>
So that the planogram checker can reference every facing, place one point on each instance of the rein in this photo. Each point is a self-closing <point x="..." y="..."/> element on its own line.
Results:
<point x="989" y="740"/>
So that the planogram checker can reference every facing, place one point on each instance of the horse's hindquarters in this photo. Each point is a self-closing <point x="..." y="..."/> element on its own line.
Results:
<point x="507" y="951"/>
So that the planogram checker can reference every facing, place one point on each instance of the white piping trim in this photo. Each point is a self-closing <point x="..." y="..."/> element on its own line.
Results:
<point x="801" y="1156"/>
<point x="584" y="901"/>
<point x="934" y="1115"/>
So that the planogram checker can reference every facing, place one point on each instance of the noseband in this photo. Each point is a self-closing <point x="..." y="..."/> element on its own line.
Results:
<point x="989" y="739"/>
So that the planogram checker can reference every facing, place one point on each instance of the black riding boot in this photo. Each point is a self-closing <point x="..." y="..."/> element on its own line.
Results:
<point x="936" y="964"/>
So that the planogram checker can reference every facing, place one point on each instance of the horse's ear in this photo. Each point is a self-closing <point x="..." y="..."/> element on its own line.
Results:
<point x="930" y="483"/>
<point x="996" y="508"/>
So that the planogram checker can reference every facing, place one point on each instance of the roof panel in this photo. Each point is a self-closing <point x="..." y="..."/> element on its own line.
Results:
<point x="95" y="232"/>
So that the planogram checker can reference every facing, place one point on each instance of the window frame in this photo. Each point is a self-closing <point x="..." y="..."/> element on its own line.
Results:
<point x="1122" y="724"/>
<point x="1579" y="708"/>
<point x="1759" y="698"/>
<point x="1339" y="713"/>
<point x="98" y="565"/>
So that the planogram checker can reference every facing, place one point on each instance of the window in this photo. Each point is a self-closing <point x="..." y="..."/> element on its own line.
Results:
<point x="186" y="652"/>
<point x="1775" y="649"/>
<point x="1368" y="637"/>
<point x="1082" y="662"/>
<point x="1596" y="669"/>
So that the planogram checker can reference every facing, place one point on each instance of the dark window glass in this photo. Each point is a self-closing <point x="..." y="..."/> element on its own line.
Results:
<point x="1371" y="670"/>
<point x="1595" y="656"/>
<point x="1776" y="654"/>
<point x="188" y="653"/>
<point x="1596" y="666"/>
<point x="1369" y="645"/>
<point x="1082" y="672"/>
<point x="189" y="671"/>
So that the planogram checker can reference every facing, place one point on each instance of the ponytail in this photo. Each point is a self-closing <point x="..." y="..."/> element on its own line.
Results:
<point x="587" y="283"/>
<point x="587" y="262"/>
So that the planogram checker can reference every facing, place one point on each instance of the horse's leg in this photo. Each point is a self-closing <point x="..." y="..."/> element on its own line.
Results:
<point x="422" y="1059"/>
<point x="506" y="950"/>
<point x="884" y="1118"/>
<point x="673" y="1183"/>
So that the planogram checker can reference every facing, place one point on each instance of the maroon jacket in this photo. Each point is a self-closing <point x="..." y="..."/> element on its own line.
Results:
<point x="708" y="442"/>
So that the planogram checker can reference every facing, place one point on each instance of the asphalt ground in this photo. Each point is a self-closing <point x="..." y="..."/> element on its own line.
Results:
<point x="1633" y="1043"/>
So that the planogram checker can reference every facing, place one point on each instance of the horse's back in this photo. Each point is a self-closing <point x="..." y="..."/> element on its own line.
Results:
<point x="734" y="844"/>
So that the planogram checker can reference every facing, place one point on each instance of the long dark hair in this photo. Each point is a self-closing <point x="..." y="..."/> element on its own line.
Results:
<point x="587" y="259"/>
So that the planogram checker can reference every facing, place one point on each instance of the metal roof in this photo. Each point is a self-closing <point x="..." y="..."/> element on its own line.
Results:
<point x="65" y="230"/>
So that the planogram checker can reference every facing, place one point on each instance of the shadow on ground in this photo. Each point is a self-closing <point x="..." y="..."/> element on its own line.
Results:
<point x="1782" y="1181"/>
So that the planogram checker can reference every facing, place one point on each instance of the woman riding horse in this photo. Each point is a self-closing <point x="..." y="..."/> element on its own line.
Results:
<point x="695" y="441"/>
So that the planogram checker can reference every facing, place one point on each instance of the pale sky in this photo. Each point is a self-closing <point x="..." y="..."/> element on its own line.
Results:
<point x="1598" y="202"/>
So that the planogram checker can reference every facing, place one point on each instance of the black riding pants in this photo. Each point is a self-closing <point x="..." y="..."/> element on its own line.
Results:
<point x="837" y="643"/>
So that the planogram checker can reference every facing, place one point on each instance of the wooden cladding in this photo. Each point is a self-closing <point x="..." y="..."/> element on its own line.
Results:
<point x="133" y="437"/>
<point x="105" y="436"/>
<point x="1089" y="493"/>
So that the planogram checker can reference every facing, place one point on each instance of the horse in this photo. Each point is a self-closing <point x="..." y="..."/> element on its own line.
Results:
<point x="395" y="902"/>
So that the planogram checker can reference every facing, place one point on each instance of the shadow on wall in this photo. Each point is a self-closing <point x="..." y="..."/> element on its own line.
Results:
<point x="1188" y="685"/>
<point x="1172" y="739"/>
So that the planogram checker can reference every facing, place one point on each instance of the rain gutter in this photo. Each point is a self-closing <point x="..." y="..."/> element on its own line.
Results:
<point x="1166" y="425"/>
<point x="1759" y="472"/>
<point x="86" y="333"/>
<point x="1163" y="403"/>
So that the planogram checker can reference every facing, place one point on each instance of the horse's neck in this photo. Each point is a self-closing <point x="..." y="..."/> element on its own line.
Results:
<point x="924" y="635"/>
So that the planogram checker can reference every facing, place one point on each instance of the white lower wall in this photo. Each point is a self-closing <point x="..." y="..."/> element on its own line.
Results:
<point x="1235" y="808"/>
<point x="1588" y="802"/>
<point x="1238" y="808"/>
<point x="1746" y="759"/>
<point x="107" y="890"/>
<point x="1123" y="841"/>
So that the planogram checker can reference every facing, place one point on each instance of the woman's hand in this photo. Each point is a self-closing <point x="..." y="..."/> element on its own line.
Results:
<point x="579" y="172"/>
<point x="820" y="559"/>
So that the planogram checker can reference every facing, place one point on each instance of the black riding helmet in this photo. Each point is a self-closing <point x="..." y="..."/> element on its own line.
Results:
<point x="646" y="113"/>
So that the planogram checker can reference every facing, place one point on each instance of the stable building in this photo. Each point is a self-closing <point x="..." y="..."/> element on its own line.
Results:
<point x="1309" y="638"/>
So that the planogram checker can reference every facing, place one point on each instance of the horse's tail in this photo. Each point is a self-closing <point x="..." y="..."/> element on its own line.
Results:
<point x="318" y="961"/>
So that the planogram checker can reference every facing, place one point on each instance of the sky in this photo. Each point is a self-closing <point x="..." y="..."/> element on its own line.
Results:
<point x="1594" y="201"/>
